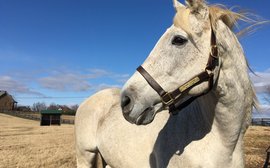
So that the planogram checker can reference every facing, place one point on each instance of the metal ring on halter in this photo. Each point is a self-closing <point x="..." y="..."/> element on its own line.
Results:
<point x="167" y="99"/>
<point x="214" y="51"/>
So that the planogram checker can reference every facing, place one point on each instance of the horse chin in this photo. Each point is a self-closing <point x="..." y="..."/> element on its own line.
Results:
<point x="148" y="115"/>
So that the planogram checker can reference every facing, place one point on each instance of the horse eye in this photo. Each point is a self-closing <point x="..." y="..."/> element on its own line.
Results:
<point x="179" y="40"/>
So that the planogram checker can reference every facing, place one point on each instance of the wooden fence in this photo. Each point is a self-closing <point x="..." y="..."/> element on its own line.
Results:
<point x="30" y="116"/>
<point x="255" y="121"/>
<point x="261" y="121"/>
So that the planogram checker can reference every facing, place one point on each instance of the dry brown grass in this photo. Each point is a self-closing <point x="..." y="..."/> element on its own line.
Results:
<point x="257" y="140"/>
<point x="36" y="114"/>
<point x="25" y="144"/>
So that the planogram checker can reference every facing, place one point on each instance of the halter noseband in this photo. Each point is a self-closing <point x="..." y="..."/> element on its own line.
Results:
<point x="174" y="99"/>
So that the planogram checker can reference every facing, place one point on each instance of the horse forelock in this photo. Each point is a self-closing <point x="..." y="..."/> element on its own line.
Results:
<point x="181" y="20"/>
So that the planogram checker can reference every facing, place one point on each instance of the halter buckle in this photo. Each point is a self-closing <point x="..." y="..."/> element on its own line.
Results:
<point x="214" y="51"/>
<point x="167" y="99"/>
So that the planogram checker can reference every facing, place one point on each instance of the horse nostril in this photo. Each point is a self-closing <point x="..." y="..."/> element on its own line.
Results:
<point x="125" y="101"/>
<point x="126" y="104"/>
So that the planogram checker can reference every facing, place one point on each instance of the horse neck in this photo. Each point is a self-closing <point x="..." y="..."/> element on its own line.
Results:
<point x="234" y="92"/>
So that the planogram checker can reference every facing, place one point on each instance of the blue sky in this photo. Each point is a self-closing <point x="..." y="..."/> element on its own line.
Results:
<point x="70" y="49"/>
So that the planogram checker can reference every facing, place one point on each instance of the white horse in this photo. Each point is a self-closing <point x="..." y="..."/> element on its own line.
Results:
<point x="208" y="130"/>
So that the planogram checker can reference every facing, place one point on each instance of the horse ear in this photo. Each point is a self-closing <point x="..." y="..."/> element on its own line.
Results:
<point x="199" y="14"/>
<point x="198" y="7"/>
<point x="177" y="4"/>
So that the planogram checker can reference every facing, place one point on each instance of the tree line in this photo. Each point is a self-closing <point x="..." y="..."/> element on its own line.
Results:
<point x="39" y="106"/>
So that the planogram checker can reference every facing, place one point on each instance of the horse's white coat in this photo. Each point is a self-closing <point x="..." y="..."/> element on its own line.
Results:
<point x="208" y="133"/>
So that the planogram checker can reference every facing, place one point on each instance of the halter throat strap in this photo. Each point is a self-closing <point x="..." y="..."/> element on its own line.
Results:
<point x="174" y="100"/>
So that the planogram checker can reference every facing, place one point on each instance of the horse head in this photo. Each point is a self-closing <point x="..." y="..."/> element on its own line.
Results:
<point x="175" y="63"/>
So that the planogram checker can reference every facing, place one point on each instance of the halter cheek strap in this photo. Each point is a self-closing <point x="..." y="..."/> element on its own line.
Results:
<point x="174" y="99"/>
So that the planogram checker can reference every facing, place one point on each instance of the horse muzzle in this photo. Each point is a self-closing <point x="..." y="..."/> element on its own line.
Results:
<point x="145" y="117"/>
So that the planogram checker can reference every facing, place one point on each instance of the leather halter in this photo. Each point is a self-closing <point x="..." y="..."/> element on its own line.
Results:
<point x="174" y="100"/>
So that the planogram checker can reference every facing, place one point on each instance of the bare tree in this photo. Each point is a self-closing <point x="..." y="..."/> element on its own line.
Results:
<point x="74" y="107"/>
<point x="53" y="106"/>
<point x="38" y="106"/>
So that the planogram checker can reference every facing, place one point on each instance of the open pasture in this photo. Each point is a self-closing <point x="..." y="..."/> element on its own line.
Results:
<point x="25" y="144"/>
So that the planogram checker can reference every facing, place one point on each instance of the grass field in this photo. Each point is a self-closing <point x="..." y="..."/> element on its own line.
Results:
<point x="25" y="144"/>
<point x="257" y="140"/>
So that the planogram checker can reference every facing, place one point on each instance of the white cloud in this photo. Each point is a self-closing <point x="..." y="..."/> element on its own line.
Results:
<point x="261" y="81"/>
<point x="97" y="73"/>
<point x="65" y="82"/>
<point x="105" y="86"/>
<point x="68" y="80"/>
<point x="11" y="85"/>
<point x="60" y="79"/>
<point x="122" y="78"/>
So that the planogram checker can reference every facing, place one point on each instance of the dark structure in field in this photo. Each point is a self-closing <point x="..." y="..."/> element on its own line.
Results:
<point x="50" y="117"/>
<point x="7" y="103"/>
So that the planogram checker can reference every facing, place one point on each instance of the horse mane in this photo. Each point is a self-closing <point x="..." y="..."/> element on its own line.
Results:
<point x="230" y="19"/>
